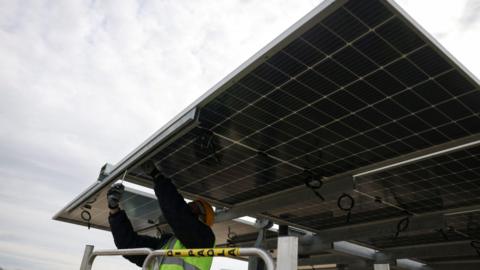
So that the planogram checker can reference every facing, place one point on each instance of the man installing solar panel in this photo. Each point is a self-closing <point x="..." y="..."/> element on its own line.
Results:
<point x="190" y="224"/>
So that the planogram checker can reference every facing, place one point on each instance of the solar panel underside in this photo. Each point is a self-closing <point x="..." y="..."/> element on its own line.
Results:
<point x="361" y="86"/>
<point x="450" y="181"/>
<point x="460" y="227"/>
<point x="358" y="86"/>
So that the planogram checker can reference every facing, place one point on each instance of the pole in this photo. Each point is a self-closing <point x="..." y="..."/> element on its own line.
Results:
<point x="86" y="256"/>
<point x="382" y="266"/>
<point x="115" y="252"/>
<point x="287" y="253"/>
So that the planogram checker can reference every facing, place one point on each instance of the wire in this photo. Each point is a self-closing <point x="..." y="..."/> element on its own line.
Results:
<point x="444" y="234"/>
<point x="206" y="145"/>
<point x="94" y="199"/>
<point x="86" y="216"/>
<point x="123" y="177"/>
<point x="314" y="184"/>
<point x="348" y="208"/>
<point x="402" y="226"/>
<point x="472" y="225"/>
<point x="230" y="237"/>
<point x="475" y="244"/>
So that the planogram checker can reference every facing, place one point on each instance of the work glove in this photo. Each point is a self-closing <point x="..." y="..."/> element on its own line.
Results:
<point x="152" y="170"/>
<point x="114" y="195"/>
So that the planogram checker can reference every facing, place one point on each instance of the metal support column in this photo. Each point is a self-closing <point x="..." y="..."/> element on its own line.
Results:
<point x="381" y="266"/>
<point x="381" y="261"/>
<point x="86" y="256"/>
<point x="287" y="253"/>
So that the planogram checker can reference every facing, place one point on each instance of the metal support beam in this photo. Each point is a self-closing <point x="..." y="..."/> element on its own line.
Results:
<point x="466" y="261"/>
<point x="435" y="250"/>
<point x="330" y="190"/>
<point x="287" y="253"/>
<point x="306" y="246"/>
<point x="411" y="265"/>
<point x="380" y="228"/>
<point x="454" y="266"/>
<point x="354" y="250"/>
<point x="331" y="259"/>
<point x="322" y="241"/>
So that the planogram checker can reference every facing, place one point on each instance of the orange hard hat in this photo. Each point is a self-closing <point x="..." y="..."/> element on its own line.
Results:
<point x="206" y="209"/>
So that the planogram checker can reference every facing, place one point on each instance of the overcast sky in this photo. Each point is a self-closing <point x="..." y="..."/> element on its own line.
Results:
<point x="85" y="82"/>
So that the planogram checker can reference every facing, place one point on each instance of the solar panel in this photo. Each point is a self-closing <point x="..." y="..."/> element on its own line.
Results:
<point x="354" y="84"/>
<point x="334" y="99"/>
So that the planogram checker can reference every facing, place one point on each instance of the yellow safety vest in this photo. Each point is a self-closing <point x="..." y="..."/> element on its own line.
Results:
<point x="180" y="263"/>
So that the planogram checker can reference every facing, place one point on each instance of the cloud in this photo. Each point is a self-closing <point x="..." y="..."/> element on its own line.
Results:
<point x="470" y="16"/>
<point x="85" y="82"/>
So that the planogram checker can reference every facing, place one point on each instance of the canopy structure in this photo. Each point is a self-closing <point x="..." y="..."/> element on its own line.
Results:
<point x="353" y="125"/>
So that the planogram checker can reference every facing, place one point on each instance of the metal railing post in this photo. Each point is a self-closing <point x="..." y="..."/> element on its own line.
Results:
<point x="86" y="256"/>
<point x="287" y="253"/>
<point x="116" y="252"/>
<point x="381" y="266"/>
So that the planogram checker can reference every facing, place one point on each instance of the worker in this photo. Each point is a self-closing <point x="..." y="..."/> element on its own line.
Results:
<point x="190" y="224"/>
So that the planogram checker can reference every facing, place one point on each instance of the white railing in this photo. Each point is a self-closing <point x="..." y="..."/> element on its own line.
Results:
<point x="90" y="254"/>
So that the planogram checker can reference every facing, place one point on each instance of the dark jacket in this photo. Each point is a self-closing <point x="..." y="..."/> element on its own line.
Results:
<point x="187" y="228"/>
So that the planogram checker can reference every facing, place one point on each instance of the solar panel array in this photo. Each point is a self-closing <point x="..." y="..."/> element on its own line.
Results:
<point x="358" y="87"/>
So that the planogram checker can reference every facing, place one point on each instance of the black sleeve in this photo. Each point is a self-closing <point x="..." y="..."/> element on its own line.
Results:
<point x="187" y="228"/>
<point x="125" y="237"/>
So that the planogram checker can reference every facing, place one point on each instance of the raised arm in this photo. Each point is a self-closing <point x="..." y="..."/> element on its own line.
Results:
<point x="122" y="230"/>
<point x="186" y="226"/>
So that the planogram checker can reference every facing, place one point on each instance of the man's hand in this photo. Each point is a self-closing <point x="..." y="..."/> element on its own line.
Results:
<point x="153" y="171"/>
<point x="114" y="195"/>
